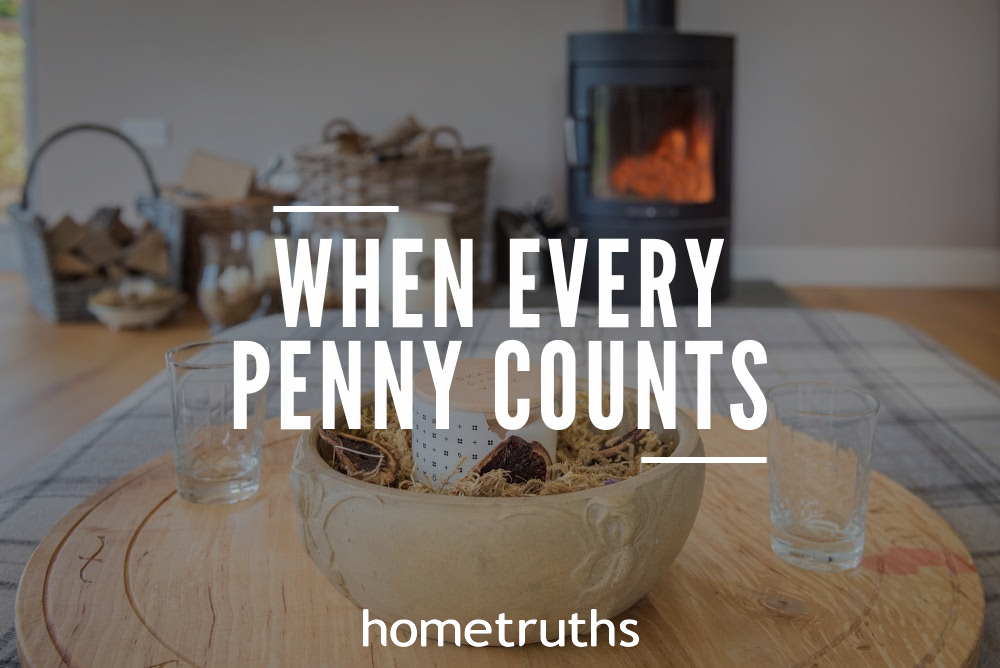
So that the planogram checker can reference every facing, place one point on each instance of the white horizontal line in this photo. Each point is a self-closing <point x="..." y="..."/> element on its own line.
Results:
<point x="335" y="209"/>
<point x="703" y="460"/>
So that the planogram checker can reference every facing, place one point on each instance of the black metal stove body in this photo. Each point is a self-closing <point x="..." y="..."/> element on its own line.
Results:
<point x="649" y="145"/>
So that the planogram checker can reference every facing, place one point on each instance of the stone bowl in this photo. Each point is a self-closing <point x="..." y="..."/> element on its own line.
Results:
<point x="407" y="555"/>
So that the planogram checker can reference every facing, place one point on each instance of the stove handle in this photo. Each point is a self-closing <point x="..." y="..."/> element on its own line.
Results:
<point x="575" y="131"/>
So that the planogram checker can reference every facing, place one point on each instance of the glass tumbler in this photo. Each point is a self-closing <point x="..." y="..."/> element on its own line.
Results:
<point x="262" y="227"/>
<point x="820" y="439"/>
<point x="215" y="462"/>
<point x="228" y="291"/>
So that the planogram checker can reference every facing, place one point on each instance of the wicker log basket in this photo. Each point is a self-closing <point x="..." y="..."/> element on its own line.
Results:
<point x="61" y="300"/>
<point x="404" y="166"/>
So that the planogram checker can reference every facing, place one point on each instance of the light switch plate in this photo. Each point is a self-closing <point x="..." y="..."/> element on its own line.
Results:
<point x="146" y="132"/>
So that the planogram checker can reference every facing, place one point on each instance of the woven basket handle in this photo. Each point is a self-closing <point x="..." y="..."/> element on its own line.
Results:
<point x="87" y="127"/>
<point x="334" y="124"/>
<point x="431" y="141"/>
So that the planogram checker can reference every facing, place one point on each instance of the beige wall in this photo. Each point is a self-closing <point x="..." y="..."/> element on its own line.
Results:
<point x="858" y="122"/>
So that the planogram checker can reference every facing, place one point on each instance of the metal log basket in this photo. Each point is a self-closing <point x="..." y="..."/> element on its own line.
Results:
<point x="65" y="300"/>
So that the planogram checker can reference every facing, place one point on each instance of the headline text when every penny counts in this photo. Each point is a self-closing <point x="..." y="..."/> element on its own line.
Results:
<point x="453" y="287"/>
<point x="656" y="373"/>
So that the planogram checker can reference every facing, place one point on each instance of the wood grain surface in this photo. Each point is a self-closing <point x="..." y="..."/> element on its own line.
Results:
<point x="75" y="370"/>
<point x="137" y="577"/>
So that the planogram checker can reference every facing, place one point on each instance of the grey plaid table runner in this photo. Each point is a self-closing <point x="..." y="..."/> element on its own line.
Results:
<point x="938" y="434"/>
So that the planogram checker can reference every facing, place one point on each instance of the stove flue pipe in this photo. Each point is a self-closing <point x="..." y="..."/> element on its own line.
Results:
<point x="650" y="15"/>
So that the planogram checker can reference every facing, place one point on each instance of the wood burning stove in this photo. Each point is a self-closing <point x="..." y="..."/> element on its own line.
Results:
<point x="649" y="144"/>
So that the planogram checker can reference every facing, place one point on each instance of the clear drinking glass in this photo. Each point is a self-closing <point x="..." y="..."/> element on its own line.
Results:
<point x="216" y="463"/>
<point x="262" y="227"/>
<point x="820" y="439"/>
<point x="228" y="291"/>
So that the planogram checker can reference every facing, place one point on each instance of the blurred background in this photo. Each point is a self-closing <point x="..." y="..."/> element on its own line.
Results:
<point x="857" y="124"/>
<point x="857" y="166"/>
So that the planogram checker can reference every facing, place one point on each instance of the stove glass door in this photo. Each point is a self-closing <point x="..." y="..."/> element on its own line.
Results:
<point x="653" y="144"/>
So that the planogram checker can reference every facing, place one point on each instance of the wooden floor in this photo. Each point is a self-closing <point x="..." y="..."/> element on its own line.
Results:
<point x="967" y="321"/>
<point x="54" y="379"/>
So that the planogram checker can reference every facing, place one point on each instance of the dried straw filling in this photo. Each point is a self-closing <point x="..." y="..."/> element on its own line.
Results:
<point x="577" y="467"/>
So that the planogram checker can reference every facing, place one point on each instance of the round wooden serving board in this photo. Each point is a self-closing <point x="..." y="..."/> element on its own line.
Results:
<point x="136" y="577"/>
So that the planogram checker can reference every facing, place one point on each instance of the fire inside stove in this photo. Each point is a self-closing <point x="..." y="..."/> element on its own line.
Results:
<point x="654" y="144"/>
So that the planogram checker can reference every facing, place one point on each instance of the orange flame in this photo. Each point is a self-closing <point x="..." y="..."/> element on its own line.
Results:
<point x="679" y="169"/>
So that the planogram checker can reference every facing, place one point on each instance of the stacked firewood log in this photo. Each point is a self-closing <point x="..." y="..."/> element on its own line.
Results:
<point x="104" y="247"/>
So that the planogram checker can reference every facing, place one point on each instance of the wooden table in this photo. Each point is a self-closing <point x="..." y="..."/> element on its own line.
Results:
<point x="135" y="576"/>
